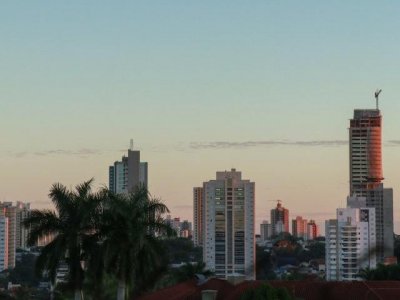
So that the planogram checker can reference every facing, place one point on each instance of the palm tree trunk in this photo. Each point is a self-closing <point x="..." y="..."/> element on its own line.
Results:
<point x="121" y="290"/>
<point x="77" y="295"/>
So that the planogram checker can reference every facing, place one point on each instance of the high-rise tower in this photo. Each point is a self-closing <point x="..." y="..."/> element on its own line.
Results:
<point x="128" y="173"/>
<point x="299" y="228"/>
<point x="228" y="233"/>
<point x="365" y="134"/>
<point x="198" y="199"/>
<point x="366" y="175"/>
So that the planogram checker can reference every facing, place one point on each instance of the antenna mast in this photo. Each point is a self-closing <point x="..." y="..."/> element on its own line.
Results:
<point x="377" y="92"/>
<point x="131" y="145"/>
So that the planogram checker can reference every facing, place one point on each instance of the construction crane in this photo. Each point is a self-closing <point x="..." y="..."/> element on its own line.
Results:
<point x="377" y="92"/>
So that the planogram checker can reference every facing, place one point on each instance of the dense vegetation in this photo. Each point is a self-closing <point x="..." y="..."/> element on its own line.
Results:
<point x="105" y="239"/>
<point x="287" y="250"/>
<point x="382" y="272"/>
<point x="117" y="246"/>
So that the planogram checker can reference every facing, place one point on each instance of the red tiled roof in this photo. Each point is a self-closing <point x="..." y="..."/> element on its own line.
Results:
<point x="307" y="290"/>
<point x="177" y="292"/>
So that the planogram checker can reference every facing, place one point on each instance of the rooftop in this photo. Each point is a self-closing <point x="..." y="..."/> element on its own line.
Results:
<point x="307" y="290"/>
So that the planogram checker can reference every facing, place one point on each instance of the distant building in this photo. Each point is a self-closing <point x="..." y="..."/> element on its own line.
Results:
<point x="198" y="216"/>
<point x="10" y="212"/>
<point x="279" y="227"/>
<point x="228" y="233"/>
<point x="312" y="230"/>
<point x="21" y="234"/>
<point x="128" y="173"/>
<point x="186" y="225"/>
<point x="182" y="229"/>
<point x="350" y="242"/>
<point x="16" y="231"/>
<point x="3" y="243"/>
<point x="185" y="233"/>
<point x="265" y="231"/>
<point x="175" y="223"/>
<point x="299" y="228"/>
<point x="279" y="219"/>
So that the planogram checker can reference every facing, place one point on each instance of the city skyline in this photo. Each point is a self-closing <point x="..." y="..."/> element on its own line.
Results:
<point x="207" y="87"/>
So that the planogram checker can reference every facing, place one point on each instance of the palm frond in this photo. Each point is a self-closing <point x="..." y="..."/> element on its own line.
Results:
<point x="51" y="257"/>
<point x="41" y="223"/>
<point x="157" y="207"/>
<point x="61" y="198"/>
<point x="84" y="189"/>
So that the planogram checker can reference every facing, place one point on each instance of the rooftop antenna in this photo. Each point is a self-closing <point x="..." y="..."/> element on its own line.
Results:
<point x="377" y="92"/>
<point x="131" y="146"/>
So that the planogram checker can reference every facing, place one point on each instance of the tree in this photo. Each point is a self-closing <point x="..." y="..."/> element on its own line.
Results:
<point x="182" y="250"/>
<point x="73" y="224"/>
<point x="24" y="271"/>
<point x="382" y="272"/>
<point x="129" y="227"/>
<point x="264" y="264"/>
<point x="188" y="271"/>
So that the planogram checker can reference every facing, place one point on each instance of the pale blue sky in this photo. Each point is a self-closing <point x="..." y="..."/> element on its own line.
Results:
<point x="86" y="76"/>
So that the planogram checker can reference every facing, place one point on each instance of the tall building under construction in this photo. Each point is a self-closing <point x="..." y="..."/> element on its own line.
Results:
<point x="366" y="175"/>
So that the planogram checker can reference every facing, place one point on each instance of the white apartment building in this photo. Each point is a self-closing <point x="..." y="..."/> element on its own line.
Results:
<point x="228" y="233"/>
<point x="350" y="243"/>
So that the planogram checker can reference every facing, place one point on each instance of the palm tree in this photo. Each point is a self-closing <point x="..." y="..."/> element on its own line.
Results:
<point x="130" y="226"/>
<point x="73" y="225"/>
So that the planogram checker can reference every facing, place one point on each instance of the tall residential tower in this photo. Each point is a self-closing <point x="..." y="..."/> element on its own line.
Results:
<point x="228" y="233"/>
<point x="198" y="216"/>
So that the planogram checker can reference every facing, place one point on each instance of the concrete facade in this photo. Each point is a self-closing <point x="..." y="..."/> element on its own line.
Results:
<point x="228" y="234"/>
<point x="198" y="199"/>
<point x="128" y="173"/>
<point x="366" y="175"/>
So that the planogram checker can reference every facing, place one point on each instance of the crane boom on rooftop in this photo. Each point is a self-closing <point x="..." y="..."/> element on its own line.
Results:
<point x="377" y="92"/>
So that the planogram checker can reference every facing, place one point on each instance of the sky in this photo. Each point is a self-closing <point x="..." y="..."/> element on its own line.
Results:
<point x="266" y="87"/>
